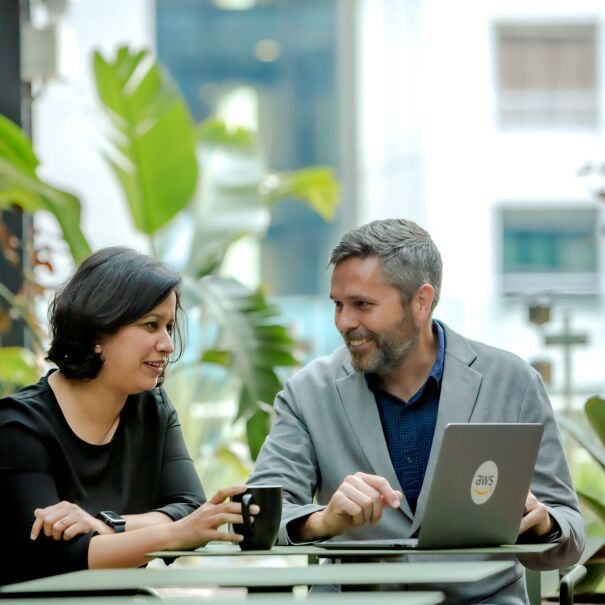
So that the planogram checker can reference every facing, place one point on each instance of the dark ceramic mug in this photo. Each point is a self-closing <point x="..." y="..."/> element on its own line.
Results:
<point x="261" y="533"/>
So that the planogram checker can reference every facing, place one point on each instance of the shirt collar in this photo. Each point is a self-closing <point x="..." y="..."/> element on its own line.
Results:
<point x="437" y="371"/>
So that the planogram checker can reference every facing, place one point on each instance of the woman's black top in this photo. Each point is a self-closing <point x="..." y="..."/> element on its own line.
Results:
<point x="145" y="467"/>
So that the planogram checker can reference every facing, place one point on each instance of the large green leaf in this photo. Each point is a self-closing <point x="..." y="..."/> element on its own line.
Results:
<point x="257" y="429"/>
<point x="250" y="342"/>
<point x="316" y="186"/>
<point x="595" y="412"/>
<point x="20" y="186"/>
<point x="153" y="140"/>
<point x="17" y="366"/>
<point x="16" y="147"/>
<point x="235" y="196"/>
<point x="586" y="440"/>
<point x="229" y="206"/>
<point x="594" y="504"/>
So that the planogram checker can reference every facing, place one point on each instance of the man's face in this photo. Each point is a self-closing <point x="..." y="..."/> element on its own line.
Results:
<point x="377" y="329"/>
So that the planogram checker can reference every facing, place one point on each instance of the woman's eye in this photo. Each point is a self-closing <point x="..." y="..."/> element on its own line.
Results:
<point x="152" y="325"/>
<point x="170" y="329"/>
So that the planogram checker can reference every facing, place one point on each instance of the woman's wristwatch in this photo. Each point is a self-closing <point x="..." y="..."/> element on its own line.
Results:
<point x="113" y="520"/>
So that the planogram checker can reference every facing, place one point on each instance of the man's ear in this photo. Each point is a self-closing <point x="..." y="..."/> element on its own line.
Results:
<point x="422" y="302"/>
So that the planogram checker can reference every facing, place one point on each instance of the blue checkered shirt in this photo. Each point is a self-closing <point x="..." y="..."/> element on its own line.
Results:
<point x="409" y="426"/>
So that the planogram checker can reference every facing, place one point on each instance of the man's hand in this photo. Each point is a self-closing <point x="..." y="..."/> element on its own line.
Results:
<point x="360" y="499"/>
<point x="536" y="518"/>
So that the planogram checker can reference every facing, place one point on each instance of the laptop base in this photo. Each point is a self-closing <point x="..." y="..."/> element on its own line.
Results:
<point x="389" y="543"/>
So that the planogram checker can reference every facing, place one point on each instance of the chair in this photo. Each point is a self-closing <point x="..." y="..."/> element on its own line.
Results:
<point x="568" y="583"/>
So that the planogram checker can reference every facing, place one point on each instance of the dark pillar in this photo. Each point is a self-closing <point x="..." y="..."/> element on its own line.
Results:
<point x="15" y="103"/>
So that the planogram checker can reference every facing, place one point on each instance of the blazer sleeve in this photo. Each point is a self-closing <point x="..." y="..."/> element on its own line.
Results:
<point x="287" y="458"/>
<point x="552" y="484"/>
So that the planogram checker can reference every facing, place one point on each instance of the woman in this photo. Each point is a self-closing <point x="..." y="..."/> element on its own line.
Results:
<point x="94" y="471"/>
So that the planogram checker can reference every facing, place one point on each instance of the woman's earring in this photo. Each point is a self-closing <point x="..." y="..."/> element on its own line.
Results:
<point x="98" y="349"/>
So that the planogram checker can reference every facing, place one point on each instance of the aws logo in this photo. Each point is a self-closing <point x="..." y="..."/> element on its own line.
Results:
<point x="484" y="482"/>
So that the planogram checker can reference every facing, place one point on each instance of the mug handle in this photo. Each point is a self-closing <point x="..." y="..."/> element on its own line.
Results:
<point x="247" y="500"/>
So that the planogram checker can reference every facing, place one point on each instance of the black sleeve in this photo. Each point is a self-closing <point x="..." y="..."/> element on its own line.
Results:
<point x="25" y="484"/>
<point x="180" y="490"/>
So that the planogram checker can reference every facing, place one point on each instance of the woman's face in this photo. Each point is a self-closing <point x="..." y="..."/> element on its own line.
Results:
<point x="136" y="355"/>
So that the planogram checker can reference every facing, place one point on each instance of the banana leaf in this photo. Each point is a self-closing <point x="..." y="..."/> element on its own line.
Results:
<point x="235" y="197"/>
<point x="19" y="186"/>
<point x="152" y="145"/>
<point x="595" y="412"/>
<point x="249" y="342"/>
<point x="585" y="439"/>
<point x="18" y="367"/>
<point x="595" y="505"/>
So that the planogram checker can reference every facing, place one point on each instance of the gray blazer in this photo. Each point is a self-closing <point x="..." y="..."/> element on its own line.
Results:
<point x="328" y="426"/>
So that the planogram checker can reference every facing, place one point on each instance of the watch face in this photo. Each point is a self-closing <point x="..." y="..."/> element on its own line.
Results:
<point x="111" y="516"/>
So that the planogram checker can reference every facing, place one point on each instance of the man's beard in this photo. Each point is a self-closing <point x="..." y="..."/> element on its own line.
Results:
<point x="391" y="347"/>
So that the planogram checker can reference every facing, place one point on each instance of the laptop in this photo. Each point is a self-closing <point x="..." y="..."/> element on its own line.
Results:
<point x="477" y="496"/>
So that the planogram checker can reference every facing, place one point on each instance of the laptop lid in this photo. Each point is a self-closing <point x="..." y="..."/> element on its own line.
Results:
<point x="480" y="484"/>
<point x="477" y="495"/>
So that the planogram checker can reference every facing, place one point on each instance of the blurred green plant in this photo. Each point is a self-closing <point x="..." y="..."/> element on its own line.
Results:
<point x="195" y="190"/>
<point x="592" y="439"/>
<point x="21" y="188"/>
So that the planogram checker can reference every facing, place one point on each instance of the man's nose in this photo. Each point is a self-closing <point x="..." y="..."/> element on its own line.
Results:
<point x="346" y="319"/>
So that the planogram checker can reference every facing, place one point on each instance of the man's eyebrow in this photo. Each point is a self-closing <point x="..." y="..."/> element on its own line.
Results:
<point x="355" y="297"/>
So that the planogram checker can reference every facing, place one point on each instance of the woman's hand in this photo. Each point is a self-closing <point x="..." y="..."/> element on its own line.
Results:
<point x="201" y="526"/>
<point x="66" y="520"/>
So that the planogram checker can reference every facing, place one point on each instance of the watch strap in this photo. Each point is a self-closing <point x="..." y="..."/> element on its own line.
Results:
<point x="115" y="521"/>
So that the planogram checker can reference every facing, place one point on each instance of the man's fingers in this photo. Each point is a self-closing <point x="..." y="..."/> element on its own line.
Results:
<point x="528" y="520"/>
<point x="365" y="496"/>
<point x="380" y="484"/>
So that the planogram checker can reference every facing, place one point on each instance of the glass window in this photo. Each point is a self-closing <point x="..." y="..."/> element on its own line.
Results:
<point x="550" y="249"/>
<point x="547" y="75"/>
<point x="272" y="64"/>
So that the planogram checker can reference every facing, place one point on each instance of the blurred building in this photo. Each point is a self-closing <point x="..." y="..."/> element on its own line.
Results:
<point x="504" y="109"/>
<point x="472" y="118"/>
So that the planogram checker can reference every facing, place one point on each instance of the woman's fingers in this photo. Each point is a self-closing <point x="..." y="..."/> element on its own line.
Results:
<point x="80" y="527"/>
<point x="58" y="527"/>
<point x="223" y="536"/>
<point x="227" y="492"/>
<point x="56" y="519"/>
<point x="36" y="527"/>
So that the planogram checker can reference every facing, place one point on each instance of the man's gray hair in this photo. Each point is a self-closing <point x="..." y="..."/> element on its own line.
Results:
<point x="406" y="251"/>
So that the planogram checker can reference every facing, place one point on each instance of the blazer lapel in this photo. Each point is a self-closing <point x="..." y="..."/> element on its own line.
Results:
<point x="459" y="390"/>
<point x="360" y="407"/>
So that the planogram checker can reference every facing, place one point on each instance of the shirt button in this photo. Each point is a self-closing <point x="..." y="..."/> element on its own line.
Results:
<point x="410" y="460"/>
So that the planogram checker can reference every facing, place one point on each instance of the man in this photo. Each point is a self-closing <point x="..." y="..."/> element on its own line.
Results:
<point x="358" y="431"/>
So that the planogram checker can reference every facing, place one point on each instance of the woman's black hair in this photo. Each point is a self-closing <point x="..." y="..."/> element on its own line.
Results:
<point x="112" y="288"/>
